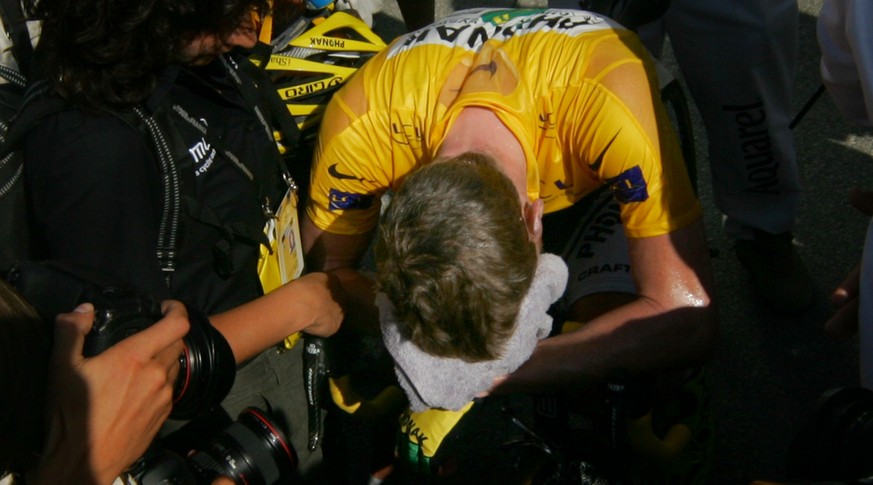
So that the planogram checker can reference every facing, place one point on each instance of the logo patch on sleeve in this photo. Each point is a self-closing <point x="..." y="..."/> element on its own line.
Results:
<point x="630" y="186"/>
<point x="347" y="200"/>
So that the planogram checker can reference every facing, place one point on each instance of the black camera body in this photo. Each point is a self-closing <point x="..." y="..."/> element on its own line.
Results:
<point x="251" y="449"/>
<point x="207" y="367"/>
<point x="119" y="313"/>
<point x="836" y="442"/>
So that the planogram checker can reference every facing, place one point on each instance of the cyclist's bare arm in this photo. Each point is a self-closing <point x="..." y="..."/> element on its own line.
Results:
<point x="670" y="325"/>
<point x="341" y="255"/>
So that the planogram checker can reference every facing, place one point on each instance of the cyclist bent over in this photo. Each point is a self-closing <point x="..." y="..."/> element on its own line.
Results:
<point x="566" y="103"/>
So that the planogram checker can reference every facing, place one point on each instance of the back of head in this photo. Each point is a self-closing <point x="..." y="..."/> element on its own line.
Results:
<point x="454" y="257"/>
<point x="107" y="53"/>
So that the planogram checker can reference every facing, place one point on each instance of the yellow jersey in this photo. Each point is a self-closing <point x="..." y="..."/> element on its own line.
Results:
<point x="578" y="91"/>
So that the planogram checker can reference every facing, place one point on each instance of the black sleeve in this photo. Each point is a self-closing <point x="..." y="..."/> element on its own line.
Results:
<point x="95" y="194"/>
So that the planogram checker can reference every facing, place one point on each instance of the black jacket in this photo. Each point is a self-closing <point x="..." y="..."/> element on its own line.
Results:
<point x="95" y="189"/>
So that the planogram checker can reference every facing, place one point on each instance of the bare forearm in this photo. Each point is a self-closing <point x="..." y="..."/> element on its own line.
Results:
<point x="340" y="255"/>
<point x="360" y="307"/>
<point x="312" y="304"/>
<point x="671" y="325"/>
<point x="636" y="337"/>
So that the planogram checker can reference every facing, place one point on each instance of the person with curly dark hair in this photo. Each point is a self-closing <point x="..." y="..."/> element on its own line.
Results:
<point x="104" y="54"/>
<point x="95" y="179"/>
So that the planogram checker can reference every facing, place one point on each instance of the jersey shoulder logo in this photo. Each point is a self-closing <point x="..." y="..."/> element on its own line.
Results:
<point x="595" y="165"/>
<point x="332" y="170"/>
<point x="630" y="186"/>
<point x="339" y="200"/>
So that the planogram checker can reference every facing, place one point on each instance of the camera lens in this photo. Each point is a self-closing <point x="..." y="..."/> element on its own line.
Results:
<point x="252" y="450"/>
<point x="835" y="444"/>
<point x="847" y="431"/>
<point x="206" y="369"/>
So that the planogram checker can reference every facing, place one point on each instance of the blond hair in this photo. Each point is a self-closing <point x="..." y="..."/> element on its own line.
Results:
<point x="454" y="257"/>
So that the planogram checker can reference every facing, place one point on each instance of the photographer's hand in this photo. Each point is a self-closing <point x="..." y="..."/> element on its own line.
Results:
<point x="320" y="305"/>
<point x="844" y="323"/>
<point x="103" y="411"/>
<point x="311" y="304"/>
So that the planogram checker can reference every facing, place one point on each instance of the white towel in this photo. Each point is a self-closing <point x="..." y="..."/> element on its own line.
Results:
<point x="449" y="383"/>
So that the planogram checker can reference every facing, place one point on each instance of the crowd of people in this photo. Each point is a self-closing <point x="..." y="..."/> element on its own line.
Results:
<point x="532" y="220"/>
